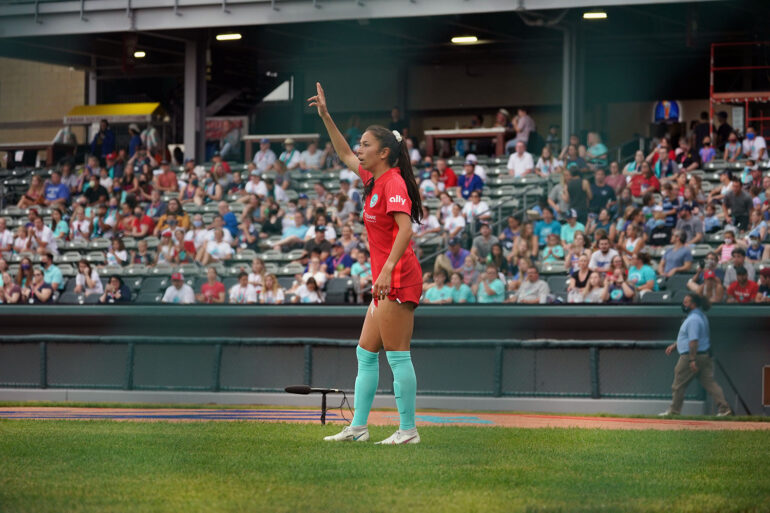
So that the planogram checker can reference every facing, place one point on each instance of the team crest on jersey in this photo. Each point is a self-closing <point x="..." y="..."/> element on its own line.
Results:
<point x="373" y="201"/>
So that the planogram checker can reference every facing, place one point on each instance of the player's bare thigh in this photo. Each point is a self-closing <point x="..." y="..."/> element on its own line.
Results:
<point x="395" y="322"/>
<point x="370" y="334"/>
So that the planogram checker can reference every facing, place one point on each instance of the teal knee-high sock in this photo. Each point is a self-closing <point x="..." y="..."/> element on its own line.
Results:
<point x="404" y="386"/>
<point x="366" y="385"/>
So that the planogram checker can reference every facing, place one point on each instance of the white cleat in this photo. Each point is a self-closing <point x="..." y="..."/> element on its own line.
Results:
<point x="350" y="434"/>
<point x="409" y="436"/>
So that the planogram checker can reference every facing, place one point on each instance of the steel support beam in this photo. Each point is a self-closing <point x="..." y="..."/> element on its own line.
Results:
<point x="190" y="99"/>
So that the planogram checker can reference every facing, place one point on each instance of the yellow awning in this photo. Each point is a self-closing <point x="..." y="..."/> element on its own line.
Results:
<point x="114" y="113"/>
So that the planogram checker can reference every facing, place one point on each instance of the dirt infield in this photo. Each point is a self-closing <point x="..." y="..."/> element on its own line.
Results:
<point x="516" y="420"/>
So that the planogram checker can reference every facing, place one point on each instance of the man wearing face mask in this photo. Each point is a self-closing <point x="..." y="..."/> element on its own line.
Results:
<point x="754" y="145"/>
<point x="709" y="264"/>
<point x="694" y="348"/>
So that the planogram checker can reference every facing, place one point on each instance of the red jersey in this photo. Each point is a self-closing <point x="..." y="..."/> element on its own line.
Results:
<point x="743" y="294"/>
<point x="212" y="291"/>
<point x="449" y="178"/>
<point x="388" y="196"/>
<point x="639" y="185"/>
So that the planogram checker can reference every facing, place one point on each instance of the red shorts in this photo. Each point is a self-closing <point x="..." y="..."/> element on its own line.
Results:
<point x="409" y="294"/>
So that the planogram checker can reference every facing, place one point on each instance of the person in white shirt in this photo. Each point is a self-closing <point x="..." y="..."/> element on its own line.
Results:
<point x="520" y="163"/>
<point x="199" y="235"/>
<point x="602" y="257"/>
<point x="414" y="153"/>
<point x="255" y="185"/>
<point x="432" y="187"/>
<point x="477" y="170"/>
<point x="455" y="222"/>
<point x="475" y="209"/>
<point x="754" y="146"/>
<point x="43" y="240"/>
<point x="219" y="223"/>
<point x="243" y="292"/>
<point x="290" y="158"/>
<point x="6" y="236"/>
<point x="178" y="292"/>
<point x="310" y="159"/>
<point x="308" y="293"/>
<point x="265" y="157"/>
<point x="215" y="250"/>
<point x="87" y="281"/>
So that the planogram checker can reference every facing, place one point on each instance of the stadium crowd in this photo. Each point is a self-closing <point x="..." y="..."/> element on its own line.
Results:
<point x="594" y="231"/>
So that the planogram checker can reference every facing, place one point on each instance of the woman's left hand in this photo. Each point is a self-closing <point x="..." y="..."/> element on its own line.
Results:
<point x="381" y="287"/>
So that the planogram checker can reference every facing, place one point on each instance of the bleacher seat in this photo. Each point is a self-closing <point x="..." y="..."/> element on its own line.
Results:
<point x="558" y="284"/>
<point x="133" y="282"/>
<point x="156" y="283"/>
<point x="337" y="289"/>
<point x="656" y="297"/>
<point x="70" y="298"/>
<point x="148" y="298"/>
<point x="678" y="282"/>
<point x="286" y="282"/>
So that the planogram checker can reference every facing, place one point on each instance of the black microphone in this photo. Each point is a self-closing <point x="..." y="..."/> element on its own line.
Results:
<point x="305" y="390"/>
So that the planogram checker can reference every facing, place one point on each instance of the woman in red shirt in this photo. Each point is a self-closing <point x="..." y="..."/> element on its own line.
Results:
<point x="391" y="204"/>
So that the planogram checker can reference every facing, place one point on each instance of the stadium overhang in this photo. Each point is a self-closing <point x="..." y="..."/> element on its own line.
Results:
<point x="115" y="113"/>
<point x="29" y="18"/>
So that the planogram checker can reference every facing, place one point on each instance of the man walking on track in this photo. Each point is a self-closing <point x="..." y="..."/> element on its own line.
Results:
<point x="694" y="350"/>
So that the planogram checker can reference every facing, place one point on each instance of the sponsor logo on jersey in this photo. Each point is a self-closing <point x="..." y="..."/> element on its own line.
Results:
<point x="373" y="201"/>
<point x="397" y="199"/>
<point x="370" y="218"/>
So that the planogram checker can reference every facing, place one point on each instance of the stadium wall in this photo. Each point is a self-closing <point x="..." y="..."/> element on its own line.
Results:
<point x="610" y="357"/>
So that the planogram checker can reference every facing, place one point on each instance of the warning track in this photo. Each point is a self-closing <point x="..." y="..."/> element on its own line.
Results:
<point x="513" y="420"/>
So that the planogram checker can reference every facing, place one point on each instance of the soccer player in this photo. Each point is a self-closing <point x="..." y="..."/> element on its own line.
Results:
<point x="391" y="204"/>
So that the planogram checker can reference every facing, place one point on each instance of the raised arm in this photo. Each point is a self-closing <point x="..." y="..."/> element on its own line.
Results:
<point x="341" y="146"/>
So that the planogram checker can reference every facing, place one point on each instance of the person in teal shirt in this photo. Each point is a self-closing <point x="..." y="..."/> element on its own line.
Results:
<point x="597" y="151"/>
<point x="491" y="288"/>
<point x="461" y="293"/>
<point x="51" y="274"/>
<point x="439" y="293"/>
<point x="59" y="226"/>
<point x="569" y="229"/>
<point x="546" y="226"/>
<point x="641" y="275"/>
<point x="553" y="251"/>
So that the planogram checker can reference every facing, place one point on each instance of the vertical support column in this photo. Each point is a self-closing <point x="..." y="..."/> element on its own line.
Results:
<point x="298" y="102"/>
<point x="308" y="364"/>
<point x="190" y="123"/>
<point x="43" y="365"/>
<point x="200" y="113"/>
<point x="91" y="97"/>
<point x="217" y="368"/>
<point x="129" y="384"/>
<point x="498" y="382"/>
<point x="566" y="85"/>
<point x="579" y="98"/>
<point x="593" y="358"/>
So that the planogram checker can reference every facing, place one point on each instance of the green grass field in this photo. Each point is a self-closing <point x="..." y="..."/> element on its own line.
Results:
<point x="100" y="466"/>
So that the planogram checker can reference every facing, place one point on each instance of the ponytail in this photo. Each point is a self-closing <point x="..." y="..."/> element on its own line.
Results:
<point x="399" y="157"/>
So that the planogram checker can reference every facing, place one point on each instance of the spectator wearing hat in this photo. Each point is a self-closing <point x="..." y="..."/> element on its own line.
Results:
<point x="339" y="263"/>
<point x="503" y="119"/>
<point x="482" y="243"/>
<point x="114" y="168"/>
<point x="453" y="259"/>
<point x="738" y="260"/>
<point x="710" y="286"/>
<point x="763" y="290"/>
<point x="690" y="225"/>
<point x="737" y="204"/>
<point x="440" y="293"/>
<point x="104" y="140"/>
<point x="572" y="226"/>
<point x="290" y="158"/>
<point x="318" y="243"/>
<point x="166" y="181"/>
<point x="230" y="143"/>
<point x="264" y="158"/>
<point x="469" y="181"/>
<point x="56" y="193"/>
<point x="742" y="290"/>
<point x="243" y="292"/>
<point x="677" y="258"/>
<point x="115" y="291"/>
<point x="178" y="292"/>
<point x="136" y="139"/>
<point x="533" y="290"/>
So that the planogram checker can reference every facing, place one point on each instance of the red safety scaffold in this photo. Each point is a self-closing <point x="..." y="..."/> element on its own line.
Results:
<point x="747" y="98"/>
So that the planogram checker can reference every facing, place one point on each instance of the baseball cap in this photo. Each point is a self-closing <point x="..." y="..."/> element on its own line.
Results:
<point x="320" y="228"/>
<point x="303" y="196"/>
<point x="454" y="241"/>
<point x="264" y="140"/>
<point x="685" y="207"/>
<point x="110" y="156"/>
<point x="254" y="173"/>
<point x="504" y="112"/>
<point x="469" y="162"/>
<point x="572" y="213"/>
<point x="337" y="244"/>
<point x="134" y="127"/>
<point x="177" y="276"/>
<point x="189" y="160"/>
<point x="288" y="140"/>
<point x="765" y="272"/>
<point x="345" y="180"/>
<point x="217" y="154"/>
<point x="709" y="274"/>
<point x="471" y="158"/>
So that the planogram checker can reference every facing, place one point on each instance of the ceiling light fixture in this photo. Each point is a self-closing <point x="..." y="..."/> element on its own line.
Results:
<point x="139" y="54"/>
<point x="595" y="15"/>
<point x="228" y="37"/>
<point x="464" y="40"/>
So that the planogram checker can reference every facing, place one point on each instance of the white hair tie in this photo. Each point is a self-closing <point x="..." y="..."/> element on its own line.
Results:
<point x="397" y="135"/>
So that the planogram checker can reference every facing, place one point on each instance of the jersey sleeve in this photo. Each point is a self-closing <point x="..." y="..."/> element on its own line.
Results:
<point x="364" y="174"/>
<point x="396" y="197"/>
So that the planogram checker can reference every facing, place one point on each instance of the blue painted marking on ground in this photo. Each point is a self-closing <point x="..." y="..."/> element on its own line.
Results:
<point x="435" y="419"/>
<point x="304" y="415"/>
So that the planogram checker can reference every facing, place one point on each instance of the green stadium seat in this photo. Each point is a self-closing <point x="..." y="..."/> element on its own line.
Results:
<point x="155" y="284"/>
<point x="148" y="298"/>
<point x="656" y="298"/>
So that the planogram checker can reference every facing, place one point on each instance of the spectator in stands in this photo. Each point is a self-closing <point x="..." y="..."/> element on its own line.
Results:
<point x="532" y="291"/>
<point x="690" y="225"/>
<point x="445" y="174"/>
<point x="742" y="290"/>
<point x="490" y="289"/>
<point x="51" y="273"/>
<point x="87" y="280"/>
<point x="361" y="272"/>
<point x="469" y="181"/>
<point x="476" y="210"/>
<point x="754" y="146"/>
<point x="573" y="161"/>
<point x="511" y="231"/>
<point x="710" y="286"/>
<point x="656" y="153"/>
<point x="142" y="255"/>
<point x="527" y="244"/>
<point x="736" y="205"/>
<point x="676" y="259"/>
<point x="687" y="159"/>
<point x="470" y="271"/>
<point x="35" y="194"/>
<point x="455" y="223"/>
<point x="546" y="226"/>
<point x="733" y="149"/>
<point x="115" y="291"/>
<point x="719" y="192"/>
<point x="10" y="291"/>
<point x="41" y="238"/>
<point x="763" y="291"/>
<point x="439" y="293"/>
<point x="664" y="167"/>
<point x="619" y="291"/>
<point x="755" y="251"/>
<point x="725" y="250"/>
<point x="272" y="293"/>
<point x="635" y="166"/>
<point x="453" y="259"/>
<point x="503" y="119"/>
<point x="616" y="180"/>
<point x="738" y="260"/>
<point x="174" y="217"/>
<point x="6" y="237"/>
<point x="558" y="198"/>
<point x="498" y="258"/>
<point x="116" y="254"/>
<point x="57" y="194"/>
<point x="338" y="264"/>
<point x="547" y="164"/>
<point x="58" y="226"/>
<point x="290" y="158"/>
<point x="596" y="289"/>
<point x="428" y="229"/>
<point x="576" y="191"/>
<point x="157" y="207"/>
<point x="578" y="280"/>
<point x="213" y="291"/>
<point x="104" y="140"/>
<point x="37" y="291"/>
<point x="553" y="250"/>
<point x="641" y="275"/>
<point x="264" y="158"/>
<point x="431" y="187"/>
<point x="308" y="293"/>
<point x="310" y="159"/>
<point x="216" y="250"/>
<point x="631" y="242"/>
<point x="243" y="292"/>
<point x="482" y="243"/>
<point x="644" y="181"/>
<point x="706" y="153"/>
<point x="520" y="163"/>
<point x="602" y="194"/>
<point x="524" y="126"/>
<point x="602" y="257"/>
<point x="166" y="181"/>
<point x="597" y="151"/>
<point x="178" y="292"/>
<point x="576" y="249"/>
<point x="461" y="293"/>
<point x="230" y="143"/>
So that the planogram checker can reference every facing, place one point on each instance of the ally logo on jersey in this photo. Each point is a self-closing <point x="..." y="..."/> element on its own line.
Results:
<point x="397" y="199"/>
